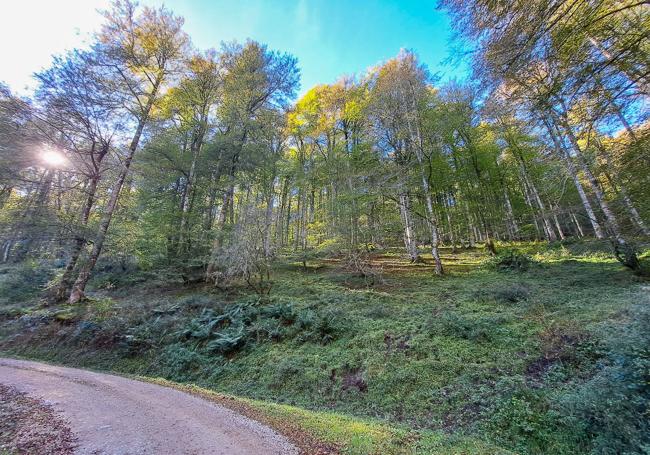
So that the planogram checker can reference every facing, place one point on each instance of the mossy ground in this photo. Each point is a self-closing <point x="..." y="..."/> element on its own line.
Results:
<point x="480" y="360"/>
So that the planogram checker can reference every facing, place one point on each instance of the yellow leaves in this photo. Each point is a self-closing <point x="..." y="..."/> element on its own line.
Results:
<point x="295" y="122"/>
<point x="322" y="109"/>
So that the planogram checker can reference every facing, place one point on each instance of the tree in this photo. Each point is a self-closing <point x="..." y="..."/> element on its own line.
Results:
<point x="137" y="54"/>
<point x="75" y="107"/>
<point x="400" y="92"/>
<point x="255" y="79"/>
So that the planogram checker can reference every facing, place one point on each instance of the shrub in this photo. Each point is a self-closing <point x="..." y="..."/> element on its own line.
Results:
<point x="23" y="281"/>
<point x="526" y="424"/>
<point x="275" y="322"/>
<point x="228" y="340"/>
<point x="221" y="333"/>
<point x="282" y="311"/>
<point x="245" y="255"/>
<point x="359" y="264"/>
<point x="320" y="327"/>
<point x="511" y="261"/>
<point x="513" y="294"/>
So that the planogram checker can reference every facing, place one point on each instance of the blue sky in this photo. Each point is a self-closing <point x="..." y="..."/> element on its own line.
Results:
<point x="330" y="38"/>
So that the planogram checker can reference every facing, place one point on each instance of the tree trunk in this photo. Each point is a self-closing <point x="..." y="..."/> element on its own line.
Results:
<point x="407" y="221"/>
<point x="557" y="223"/>
<point x="620" y="188"/>
<point x="533" y="194"/>
<point x="562" y="152"/>
<point x="416" y="139"/>
<point x="79" y="286"/>
<point x="433" y="229"/>
<point x="268" y="219"/>
<point x="513" y="229"/>
<point x="61" y="290"/>
<point x="624" y="252"/>
<point x="195" y="149"/>
<point x="577" y="225"/>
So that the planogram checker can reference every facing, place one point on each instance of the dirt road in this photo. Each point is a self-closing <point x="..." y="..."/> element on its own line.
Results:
<point x="118" y="416"/>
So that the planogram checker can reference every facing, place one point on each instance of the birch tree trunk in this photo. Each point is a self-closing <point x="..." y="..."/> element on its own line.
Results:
<point x="416" y="139"/>
<point x="620" y="188"/>
<point x="577" y="224"/>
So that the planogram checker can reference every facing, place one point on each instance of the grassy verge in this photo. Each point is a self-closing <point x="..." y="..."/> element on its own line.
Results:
<point x="330" y="433"/>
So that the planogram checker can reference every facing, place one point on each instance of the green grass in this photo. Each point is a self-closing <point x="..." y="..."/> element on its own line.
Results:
<point x="350" y="435"/>
<point x="477" y="361"/>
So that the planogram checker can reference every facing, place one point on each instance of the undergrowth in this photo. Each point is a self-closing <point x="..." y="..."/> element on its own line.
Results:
<point x="541" y="349"/>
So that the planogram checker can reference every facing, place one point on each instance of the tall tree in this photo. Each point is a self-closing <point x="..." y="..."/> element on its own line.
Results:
<point x="137" y="53"/>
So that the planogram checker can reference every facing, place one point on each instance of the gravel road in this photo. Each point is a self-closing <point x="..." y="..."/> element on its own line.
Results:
<point x="113" y="415"/>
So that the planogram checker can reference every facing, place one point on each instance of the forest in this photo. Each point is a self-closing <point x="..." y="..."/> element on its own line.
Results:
<point x="447" y="267"/>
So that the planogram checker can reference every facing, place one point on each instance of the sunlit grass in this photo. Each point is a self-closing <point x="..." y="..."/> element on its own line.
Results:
<point x="418" y="363"/>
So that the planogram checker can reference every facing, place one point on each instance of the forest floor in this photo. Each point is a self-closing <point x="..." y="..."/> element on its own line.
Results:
<point x="541" y="350"/>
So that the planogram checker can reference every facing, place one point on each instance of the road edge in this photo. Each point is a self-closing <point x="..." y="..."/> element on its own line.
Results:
<point x="304" y="441"/>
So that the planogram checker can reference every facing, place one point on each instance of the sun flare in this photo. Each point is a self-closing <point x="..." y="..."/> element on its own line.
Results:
<point x="53" y="158"/>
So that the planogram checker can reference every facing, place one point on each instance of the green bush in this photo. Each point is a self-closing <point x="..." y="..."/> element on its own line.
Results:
<point x="21" y="282"/>
<point x="526" y="424"/>
<point x="510" y="261"/>
<point x="242" y="323"/>
<point x="284" y="312"/>
<point x="321" y="327"/>
<point x="513" y="294"/>
<point x="216" y="332"/>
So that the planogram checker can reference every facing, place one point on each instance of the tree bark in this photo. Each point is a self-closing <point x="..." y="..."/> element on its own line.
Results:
<point x="61" y="290"/>
<point x="624" y="252"/>
<point x="635" y="217"/>
<point x="570" y="166"/>
<point x="80" y="283"/>
<point x="407" y="221"/>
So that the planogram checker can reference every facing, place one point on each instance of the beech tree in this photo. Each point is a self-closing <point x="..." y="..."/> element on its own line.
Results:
<point x="204" y="162"/>
<point x="137" y="54"/>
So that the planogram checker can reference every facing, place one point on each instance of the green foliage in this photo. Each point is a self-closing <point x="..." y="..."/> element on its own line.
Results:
<point x="180" y="363"/>
<point x="218" y="333"/>
<point x="483" y="361"/>
<point x="510" y="260"/>
<point x="612" y="407"/>
<point x="24" y="281"/>
<point x="513" y="294"/>
<point x="525" y="424"/>
<point x="473" y="329"/>
<point x="321" y="327"/>
<point x="245" y="323"/>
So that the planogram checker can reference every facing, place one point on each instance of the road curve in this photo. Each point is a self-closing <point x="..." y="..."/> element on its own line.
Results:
<point x="113" y="415"/>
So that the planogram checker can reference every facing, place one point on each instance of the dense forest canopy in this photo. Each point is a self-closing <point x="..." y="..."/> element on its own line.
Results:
<point x="144" y="148"/>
